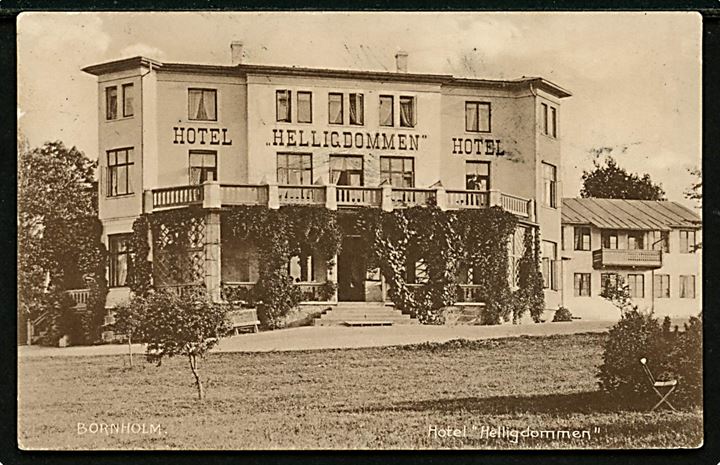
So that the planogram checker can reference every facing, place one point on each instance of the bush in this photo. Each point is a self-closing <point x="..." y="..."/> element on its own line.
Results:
<point x="671" y="354"/>
<point x="562" y="314"/>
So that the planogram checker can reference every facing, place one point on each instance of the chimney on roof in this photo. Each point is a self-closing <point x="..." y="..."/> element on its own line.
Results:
<point x="401" y="58"/>
<point x="236" y="52"/>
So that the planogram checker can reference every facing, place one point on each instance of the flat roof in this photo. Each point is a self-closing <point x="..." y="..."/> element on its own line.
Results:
<point x="646" y="215"/>
<point x="136" y="62"/>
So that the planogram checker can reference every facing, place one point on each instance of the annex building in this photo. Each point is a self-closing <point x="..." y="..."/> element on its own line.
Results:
<point x="176" y="136"/>
<point x="650" y="246"/>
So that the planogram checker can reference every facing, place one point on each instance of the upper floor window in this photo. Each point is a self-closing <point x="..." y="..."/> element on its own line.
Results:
<point x="387" y="115"/>
<point x="636" y="240"/>
<point x="335" y="108"/>
<point x="294" y="168"/>
<point x="549" y="120"/>
<point x="304" y="107"/>
<point x="118" y="172"/>
<point x="128" y="97"/>
<point x="119" y="253"/>
<point x="282" y="106"/>
<point x="346" y="170"/>
<point x="202" y="104"/>
<point x="687" y="241"/>
<point x="582" y="238"/>
<point x="477" y="116"/>
<point x="609" y="239"/>
<point x="549" y="185"/>
<point x="357" y="109"/>
<point x="407" y="112"/>
<point x="111" y="102"/>
<point x="477" y="175"/>
<point x="203" y="166"/>
<point x="398" y="171"/>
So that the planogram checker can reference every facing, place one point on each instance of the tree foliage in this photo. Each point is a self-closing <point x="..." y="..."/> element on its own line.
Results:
<point x="58" y="230"/>
<point x="188" y="325"/>
<point x="607" y="180"/>
<point x="694" y="192"/>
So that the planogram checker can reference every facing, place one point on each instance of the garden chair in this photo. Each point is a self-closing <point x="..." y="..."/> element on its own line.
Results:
<point x="670" y="385"/>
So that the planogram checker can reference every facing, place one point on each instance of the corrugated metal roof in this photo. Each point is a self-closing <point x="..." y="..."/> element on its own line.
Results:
<point x="648" y="215"/>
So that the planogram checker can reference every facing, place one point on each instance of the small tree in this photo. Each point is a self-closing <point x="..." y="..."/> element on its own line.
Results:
<point x="607" y="180"/>
<point x="129" y="319"/>
<point x="187" y="325"/>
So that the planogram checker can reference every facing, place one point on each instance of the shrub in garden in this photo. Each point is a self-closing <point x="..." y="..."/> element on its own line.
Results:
<point x="562" y="314"/>
<point x="671" y="354"/>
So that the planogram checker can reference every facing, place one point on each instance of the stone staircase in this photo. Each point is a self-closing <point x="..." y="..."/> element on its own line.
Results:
<point x="363" y="314"/>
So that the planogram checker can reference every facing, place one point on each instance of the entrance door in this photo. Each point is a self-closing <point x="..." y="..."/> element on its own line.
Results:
<point x="351" y="271"/>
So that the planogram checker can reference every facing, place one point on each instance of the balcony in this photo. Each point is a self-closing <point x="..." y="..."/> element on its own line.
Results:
<point x="626" y="258"/>
<point x="215" y="195"/>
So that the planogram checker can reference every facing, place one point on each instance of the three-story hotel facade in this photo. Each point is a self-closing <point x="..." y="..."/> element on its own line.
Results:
<point x="213" y="136"/>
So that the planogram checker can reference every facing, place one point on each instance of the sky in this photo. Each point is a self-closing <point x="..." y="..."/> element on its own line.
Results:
<point x="635" y="77"/>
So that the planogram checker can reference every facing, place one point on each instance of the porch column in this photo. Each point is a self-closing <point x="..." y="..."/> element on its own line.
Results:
<point x="273" y="196"/>
<point x="331" y="276"/>
<point x="331" y="197"/>
<point x="495" y="198"/>
<point x="386" y="202"/>
<point x="212" y="254"/>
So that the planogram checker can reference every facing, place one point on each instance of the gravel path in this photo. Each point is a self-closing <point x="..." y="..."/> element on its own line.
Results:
<point x="339" y="337"/>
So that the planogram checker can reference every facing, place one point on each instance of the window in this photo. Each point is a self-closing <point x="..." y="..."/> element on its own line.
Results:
<point x="304" y="107"/>
<point x="661" y="241"/>
<point x="302" y="270"/>
<point x="609" y="283"/>
<point x="687" y="286"/>
<point x="335" y="108"/>
<point x="549" y="268"/>
<point x="550" y="185"/>
<point x="609" y="239"/>
<point x="202" y="104"/>
<point x="636" y="285"/>
<point x="387" y="116"/>
<point x="203" y="166"/>
<point x="118" y="257"/>
<point x="128" y="97"/>
<point x="118" y="172"/>
<point x="662" y="286"/>
<point x="553" y="122"/>
<point x="687" y="241"/>
<point x="477" y="175"/>
<point x="582" y="284"/>
<point x="294" y="169"/>
<point x="398" y="171"/>
<point x="282" y="106"/>
<point x="544" y="109"/>
<point x="582" y="238"/>
<point x="111" y="102"/>
<point x="346" y="170"/>
<point x="407" y="112"/>
<point x="357" y="109"/>
<point x="477" y="116"/>
<point x="636" y="240"/>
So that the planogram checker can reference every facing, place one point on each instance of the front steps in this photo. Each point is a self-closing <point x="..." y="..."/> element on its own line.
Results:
<point x="363" y="314"/>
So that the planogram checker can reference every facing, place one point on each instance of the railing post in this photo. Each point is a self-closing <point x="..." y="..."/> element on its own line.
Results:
<point x="386" y="202"/>
<point x="494" y="198"/>
<point x="331" y="197"/>
<point x="531" y="210"/>
<point x="212" y="195"/>
<point x="148" y="201"/>
<point x="441" y="198"/>
<point x="273" y="196"/>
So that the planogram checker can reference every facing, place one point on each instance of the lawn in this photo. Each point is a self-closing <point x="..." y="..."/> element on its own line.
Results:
<point x="392" y="397"/>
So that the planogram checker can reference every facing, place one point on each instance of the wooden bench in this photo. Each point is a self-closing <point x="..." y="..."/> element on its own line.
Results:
<point x="244" y="319"/>
<point x="368" y="323"/>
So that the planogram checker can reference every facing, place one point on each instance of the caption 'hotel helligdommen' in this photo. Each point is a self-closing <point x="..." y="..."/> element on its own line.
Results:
<point x="210" y="138"/>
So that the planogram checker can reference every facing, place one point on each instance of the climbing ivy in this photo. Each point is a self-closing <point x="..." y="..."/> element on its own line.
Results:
<point x="139" y="277"/>
<point x="529" y="297"/>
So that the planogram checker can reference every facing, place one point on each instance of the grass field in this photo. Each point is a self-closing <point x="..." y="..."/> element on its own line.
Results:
<point x="389" y="397"/>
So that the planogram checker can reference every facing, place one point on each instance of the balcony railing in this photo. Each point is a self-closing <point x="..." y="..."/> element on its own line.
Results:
<point x="242" y="292"/>
<point x="79" y="296"/>
<point x="214" y="195"/>
<point x="469" y="293"/>
<point x="625" y="258"/>
<point x="359" y="196"/>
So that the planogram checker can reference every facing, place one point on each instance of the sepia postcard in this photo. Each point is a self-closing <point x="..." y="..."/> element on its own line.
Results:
<point x="359" y="230"/>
